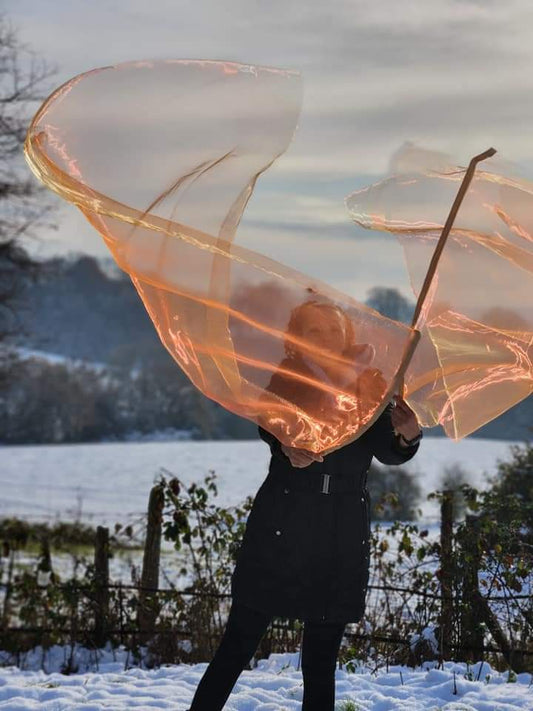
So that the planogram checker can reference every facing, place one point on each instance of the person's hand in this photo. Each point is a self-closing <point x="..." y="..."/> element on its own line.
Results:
<point x="404" y="419"/>
<point x="300" y="457"/>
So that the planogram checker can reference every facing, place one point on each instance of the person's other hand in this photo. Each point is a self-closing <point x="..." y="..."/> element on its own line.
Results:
<point x="300" y="457"/>
<point x="404" y="419"/>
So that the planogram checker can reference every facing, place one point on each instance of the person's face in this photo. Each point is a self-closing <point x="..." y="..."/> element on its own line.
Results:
<point x="324" y="329"/>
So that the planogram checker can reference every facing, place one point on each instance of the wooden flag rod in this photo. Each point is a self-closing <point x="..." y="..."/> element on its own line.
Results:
<point x="440" y="246"/>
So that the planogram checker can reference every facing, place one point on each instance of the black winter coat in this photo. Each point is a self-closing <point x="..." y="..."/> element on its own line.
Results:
<point x="305" y="553"/>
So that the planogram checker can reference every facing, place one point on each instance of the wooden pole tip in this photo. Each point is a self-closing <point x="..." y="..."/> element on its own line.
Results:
<point x="483" y="156"/>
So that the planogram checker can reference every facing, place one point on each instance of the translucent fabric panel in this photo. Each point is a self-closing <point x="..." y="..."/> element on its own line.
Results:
<point x="474" y="359"/>
<point x="162" y="159"/>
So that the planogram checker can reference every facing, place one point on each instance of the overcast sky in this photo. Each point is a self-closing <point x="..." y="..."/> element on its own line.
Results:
<point x="451" y="75"/>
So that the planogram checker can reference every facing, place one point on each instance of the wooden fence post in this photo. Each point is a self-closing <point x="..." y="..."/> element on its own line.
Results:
<point x="148" y="608"/>
<point x="101" y="577"/>
<point x="10" y="549"/>
<point x="471" y="630"/>
<point x="447" y="572"/>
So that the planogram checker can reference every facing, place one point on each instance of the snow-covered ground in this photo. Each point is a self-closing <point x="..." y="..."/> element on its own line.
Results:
<point x="275" y="685"/>
<point x="110" y="482"/>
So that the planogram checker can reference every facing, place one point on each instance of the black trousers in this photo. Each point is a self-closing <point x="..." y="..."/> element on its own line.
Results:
<point x="244" y="630"/>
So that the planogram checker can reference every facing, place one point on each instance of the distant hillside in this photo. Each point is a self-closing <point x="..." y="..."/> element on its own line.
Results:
<point x="75" y="309"/>
<point x="85" y="309"/>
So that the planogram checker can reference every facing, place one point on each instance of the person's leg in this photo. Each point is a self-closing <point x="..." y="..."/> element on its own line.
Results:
<point x="320" y="647"/>
<point x="244" y="630"/>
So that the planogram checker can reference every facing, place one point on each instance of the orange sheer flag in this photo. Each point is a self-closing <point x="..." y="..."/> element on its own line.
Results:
<point x="474" y="359"/>
<point x="162" y="158"/>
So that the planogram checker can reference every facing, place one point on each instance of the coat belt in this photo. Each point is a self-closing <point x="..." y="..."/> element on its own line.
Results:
<point x="319" y="482"/>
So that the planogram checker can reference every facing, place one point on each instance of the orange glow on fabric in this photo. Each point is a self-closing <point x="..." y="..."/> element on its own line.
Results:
<point x="475" y="357"/>
<point x="162" y="159"/>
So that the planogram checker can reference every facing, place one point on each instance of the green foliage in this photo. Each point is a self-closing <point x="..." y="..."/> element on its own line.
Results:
<point x="493" y="544"/>
<point x="510" y="496"/>
<point x="348" y="705"/>
<point x="61" y="536"/>
<point x="211" y="536"/>
<point x="490" y="555"/>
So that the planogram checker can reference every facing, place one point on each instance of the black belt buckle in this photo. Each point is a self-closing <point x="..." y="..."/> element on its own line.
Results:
<point x="325" y="484"/>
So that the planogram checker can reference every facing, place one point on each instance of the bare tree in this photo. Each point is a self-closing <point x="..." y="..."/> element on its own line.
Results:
<point x="24" y="204"/>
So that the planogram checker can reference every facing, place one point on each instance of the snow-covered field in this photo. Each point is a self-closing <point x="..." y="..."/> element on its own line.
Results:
<point x="110" y="482"/>
<point x="275" y="685"/>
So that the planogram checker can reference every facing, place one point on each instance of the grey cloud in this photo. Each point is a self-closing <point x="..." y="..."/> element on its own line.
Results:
<point x="452" y="74"/>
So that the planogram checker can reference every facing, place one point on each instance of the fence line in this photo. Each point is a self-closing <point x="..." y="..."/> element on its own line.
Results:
<point x="151" y="599"/>
<point x="389" y="588"/>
